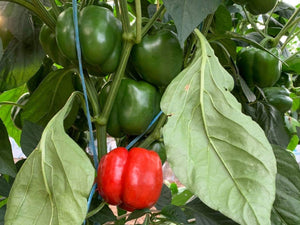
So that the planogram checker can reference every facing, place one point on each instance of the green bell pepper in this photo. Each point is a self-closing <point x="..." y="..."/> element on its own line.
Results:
<point x="100" y="36"/>
<point x="279" y="97"/>
<point x="258" y="67"/>
<point x="136" y="104"/>
<point x="158" y="58"/>
<point x="48" y="42"/>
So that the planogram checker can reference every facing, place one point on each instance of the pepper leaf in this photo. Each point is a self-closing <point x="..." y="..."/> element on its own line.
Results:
<point x="23" y="56"/>
<point x="5" y="111"/>
<point x="216" y="151"/>
<point x="49" y="97"/>
<point x="7" y="165"/>
<point x="188" y="14"/>
<point x="287" y="203"/>
<point x="2" y="213"/>
<point x="54" y="183"/>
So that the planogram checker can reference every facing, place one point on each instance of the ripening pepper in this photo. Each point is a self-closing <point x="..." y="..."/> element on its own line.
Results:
<point x="131" y="179"/>
<point x="257" y="7"/>
<point x="258" y="67"/>
<point x="100" y="35"/>
<point x="279" y="97"/>
<point x="135" y="106"/>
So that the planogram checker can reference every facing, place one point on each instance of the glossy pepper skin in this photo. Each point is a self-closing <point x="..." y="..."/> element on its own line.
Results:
<point x="258" y="67"/>
<point x="158" y="58"/>
<point x="131" y="179"/>
<point x="48" y="42"/>
<point x="136" y="104"/>
<point x="257" y="7"/>
<point x="100" y="36"/>
<point x="279" y="97"/>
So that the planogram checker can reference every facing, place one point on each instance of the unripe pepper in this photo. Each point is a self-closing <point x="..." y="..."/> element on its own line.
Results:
<point x="48" y="42"/>
<point x="100" y="36"/>
<point x="131" y="179"/>
<point x="158" y="58"/>
<point x="258" y="67"/>
<point x="136" y="104"/>
<point x="279" y="97"/>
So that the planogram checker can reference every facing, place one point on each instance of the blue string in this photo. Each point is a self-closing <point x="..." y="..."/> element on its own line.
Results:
<point x="92" y="193"/>
<point x="134" y="141"/>
<point x="91" y="142"/>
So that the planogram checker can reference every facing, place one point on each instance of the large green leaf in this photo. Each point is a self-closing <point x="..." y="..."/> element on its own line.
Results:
<point x="222" y="20"/>
<point x="270" y="120"/>
<point x="30" y="137"/>
<point x="49" y="97"/>
<point x="53" y="184"/>
<point x="217" y="152"/>
<point x="2" y="212"/>
<point x="7" y="165"/>
<point x="4" y="187"/>
<point x="205" y="215"/>
<point x="5" y="111"/>
<point x="188" y="14"/>
<point x="287" y="203"/>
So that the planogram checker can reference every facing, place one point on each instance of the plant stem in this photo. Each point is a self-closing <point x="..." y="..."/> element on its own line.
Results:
<point x="116" y="82"/>
<point x="155" y="134"/>
<point x="291" y="22"/>
<point x="92" y="94"/>
<point x="207" y="22"/>
<point x="101" y="120"/>
<point x="94" y="211"/>
<point x="11" y="103"/>
<point x="268" y="20"/>
<point x="117" y="9"/>
<point x="45" y="15"/>
<point x="289" y="39"/>
<point x="252" y="23"/>
<point x="138" y="36"/>
<point x="101" y="140"/>
<point x="55" y="8"/>
<point x="100" y="134"/>
<point x="125" y="17"/>
<point x="156" y="15"/>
